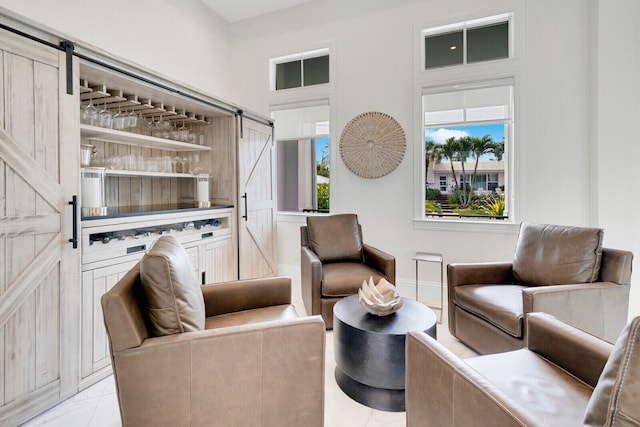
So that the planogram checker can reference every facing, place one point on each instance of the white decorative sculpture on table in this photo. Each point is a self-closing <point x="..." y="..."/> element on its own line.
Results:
<point x="381" y="299"/>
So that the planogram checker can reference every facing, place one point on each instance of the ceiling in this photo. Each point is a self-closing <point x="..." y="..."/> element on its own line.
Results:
<point x="237" y="10"/>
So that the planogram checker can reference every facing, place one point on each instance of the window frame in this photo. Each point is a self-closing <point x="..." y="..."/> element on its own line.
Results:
<point x="313" y="195"/>
<point x="464" y="26"/>
<point x="510" y="125"/>
<point x="305" y="96"/>
<point x="321" y="101"/>
<point x="513" y="68"/>
<point x="299" y="56"/>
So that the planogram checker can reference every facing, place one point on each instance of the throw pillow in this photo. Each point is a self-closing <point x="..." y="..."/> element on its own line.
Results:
<point x="175" y="301"/>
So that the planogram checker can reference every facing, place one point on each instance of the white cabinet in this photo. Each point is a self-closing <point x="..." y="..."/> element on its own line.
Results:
<point x="213" y="259"/>
<point x="95" y="359"/>
<point x="112" y="246"/>
<point x="216" y="257"/>
<point x="193" y="251"/>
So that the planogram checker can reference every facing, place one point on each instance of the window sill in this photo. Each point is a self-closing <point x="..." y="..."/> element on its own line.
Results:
<point x="296" y="217"/>
<point x="466" y="226"/>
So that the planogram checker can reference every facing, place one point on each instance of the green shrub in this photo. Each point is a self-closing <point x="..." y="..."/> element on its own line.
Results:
<point x="432" y="194"/>
<point x="323" y="196"/>
<point x="432" y="207"/>
<point x="495" y="206"/>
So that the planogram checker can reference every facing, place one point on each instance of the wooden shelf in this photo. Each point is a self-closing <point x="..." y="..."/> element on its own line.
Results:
<point x="127" y="138"/>
<point x="121" y="172"/>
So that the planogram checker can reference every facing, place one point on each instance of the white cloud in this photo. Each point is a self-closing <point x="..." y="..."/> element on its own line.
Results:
<point x="441" y="135"/>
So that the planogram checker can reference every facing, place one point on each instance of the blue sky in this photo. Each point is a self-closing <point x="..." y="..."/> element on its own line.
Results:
<point x="321" y="144"/>
<point x="440" y="135"/>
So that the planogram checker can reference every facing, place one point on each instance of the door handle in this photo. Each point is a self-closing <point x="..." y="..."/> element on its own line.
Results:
<point x="134" y="249"/>
<point x="74" y="213"/>
<point x="246" y="212"/>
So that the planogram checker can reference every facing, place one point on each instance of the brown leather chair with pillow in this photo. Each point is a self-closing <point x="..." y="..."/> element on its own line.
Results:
<point x="334" y="262"/>
<point x="564" y="377"/>
<point x="556" y="269"/>
<point x="222" y="354"/>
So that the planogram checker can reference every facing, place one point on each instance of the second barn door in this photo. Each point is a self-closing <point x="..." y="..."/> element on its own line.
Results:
<point x="256" y="201"/>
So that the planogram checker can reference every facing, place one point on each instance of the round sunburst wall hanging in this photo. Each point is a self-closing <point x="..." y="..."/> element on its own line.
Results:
<point x="372" y="144"/>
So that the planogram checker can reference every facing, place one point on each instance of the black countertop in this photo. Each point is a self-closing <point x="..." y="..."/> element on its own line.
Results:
<point x="127" y="211"/>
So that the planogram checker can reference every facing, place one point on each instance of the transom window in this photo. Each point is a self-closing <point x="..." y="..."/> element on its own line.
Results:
<point x="300" y="70"/>
<point x="467" y="42"/>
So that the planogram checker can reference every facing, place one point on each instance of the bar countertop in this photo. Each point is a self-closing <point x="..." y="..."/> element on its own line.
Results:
<point x="128" y="211"/>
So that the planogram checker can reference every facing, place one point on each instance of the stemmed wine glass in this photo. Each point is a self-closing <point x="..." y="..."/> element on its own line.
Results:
<point x="184" y="133"/>
<point x="175" y="132"/>
<point x="119" y="120"/>
<point x="141" y="124"/>
<point x="157" y="128"/>
<point x="191" y="137"/>
<point x="89" y="113"/>
<point x="105" y="117"/>
<point x="132" y="121"/>
<point x="149" y="125"/>
<point x="165" y="129"/>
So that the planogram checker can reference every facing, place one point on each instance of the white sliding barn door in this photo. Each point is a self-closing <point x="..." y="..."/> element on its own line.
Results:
<point x="256" y="201"/>
<point x="39" y="269"/>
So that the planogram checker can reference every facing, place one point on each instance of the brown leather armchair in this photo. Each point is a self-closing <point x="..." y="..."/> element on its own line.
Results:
<point x="556" y="269"/>
<point x="564" y="377"/>
<point x="244" y="367"/>
<point x="334" y="262"/>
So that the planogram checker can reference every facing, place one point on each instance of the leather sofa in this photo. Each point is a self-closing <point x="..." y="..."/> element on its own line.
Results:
<point x="335" y="261"/>
<point x="560" y="270"/>
<point x="564" y="377"/>
<point x="240" y="362"/>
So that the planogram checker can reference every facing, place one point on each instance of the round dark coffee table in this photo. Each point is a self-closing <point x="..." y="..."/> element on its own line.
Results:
<point x="369" y="350"/>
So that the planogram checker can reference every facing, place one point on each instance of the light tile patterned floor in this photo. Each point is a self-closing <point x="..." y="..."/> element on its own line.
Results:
<point x="97" y="406"/>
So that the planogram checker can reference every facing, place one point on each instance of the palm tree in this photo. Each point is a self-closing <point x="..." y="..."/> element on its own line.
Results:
<point x="465" y="148"/>
<point x="432" y="153"/>
<point x="450" y="151"/>
<point x="480" y="146"/>
<point x="322" y="167"/>
<point x="498" y="150"/>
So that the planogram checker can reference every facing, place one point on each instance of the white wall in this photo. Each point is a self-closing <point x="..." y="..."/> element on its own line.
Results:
<point x="183" y="40"/>
<point x="617" y="114"/>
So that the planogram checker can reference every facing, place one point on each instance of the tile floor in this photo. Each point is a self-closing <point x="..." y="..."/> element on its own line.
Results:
<point x="97" y="406"/>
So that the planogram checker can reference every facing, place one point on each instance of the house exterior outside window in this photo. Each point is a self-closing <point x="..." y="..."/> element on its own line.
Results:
<point x="468" y="135"/>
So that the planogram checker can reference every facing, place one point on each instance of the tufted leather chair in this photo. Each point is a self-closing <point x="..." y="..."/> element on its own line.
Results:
<point x="564" y="377"/>
<point x="556" y="269"/>
<point x="243" y="365"/>
<point x="335" y="262"/>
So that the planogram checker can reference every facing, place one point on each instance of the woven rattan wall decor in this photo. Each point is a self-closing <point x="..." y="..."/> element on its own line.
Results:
<point x="372" y="144"/>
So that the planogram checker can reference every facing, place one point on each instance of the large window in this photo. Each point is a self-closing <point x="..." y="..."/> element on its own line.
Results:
<point x="468" y="135"/>
<point x="300" y="70"/>
<point x="467" y="42"/>
<point x="303" y="153"/>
